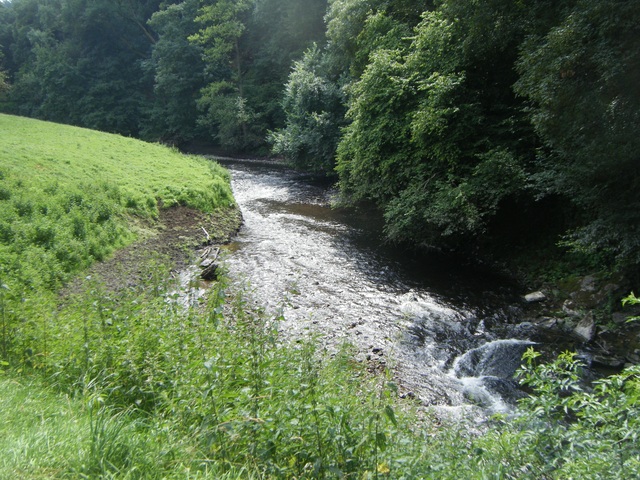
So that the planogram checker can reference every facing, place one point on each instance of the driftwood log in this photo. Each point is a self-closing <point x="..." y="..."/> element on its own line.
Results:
<point x="209" y="265"/>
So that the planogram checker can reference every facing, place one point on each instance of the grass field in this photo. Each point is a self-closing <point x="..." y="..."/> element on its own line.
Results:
<point x="47" y="155"/>
<point x="68" y="196"/>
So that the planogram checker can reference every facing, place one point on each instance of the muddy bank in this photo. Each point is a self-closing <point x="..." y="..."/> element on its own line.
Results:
<point x="173" y="240"/>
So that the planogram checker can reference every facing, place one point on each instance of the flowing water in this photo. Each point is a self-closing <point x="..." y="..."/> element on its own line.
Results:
<point x="436" y="324"/>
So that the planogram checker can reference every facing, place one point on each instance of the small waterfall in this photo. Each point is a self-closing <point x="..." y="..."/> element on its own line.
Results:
<point x="486" y="373"/>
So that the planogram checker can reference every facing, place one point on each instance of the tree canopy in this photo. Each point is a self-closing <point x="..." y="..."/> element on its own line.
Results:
<point x="207" y="70"/>
<point x="469" y="123"/>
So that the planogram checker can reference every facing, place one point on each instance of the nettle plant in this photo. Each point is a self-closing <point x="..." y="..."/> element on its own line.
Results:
<point x="571" y="429"/>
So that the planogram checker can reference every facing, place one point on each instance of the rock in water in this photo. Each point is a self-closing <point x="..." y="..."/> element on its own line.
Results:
<point x="210" y="272"/>
<point x="586" y="329"/>
<point x="535" y="297"/>
<point x="499" y="358"/>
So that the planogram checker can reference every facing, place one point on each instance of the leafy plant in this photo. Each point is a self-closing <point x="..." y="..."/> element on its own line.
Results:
<point x="631" y="299"/>
<point x="570" y="430"/>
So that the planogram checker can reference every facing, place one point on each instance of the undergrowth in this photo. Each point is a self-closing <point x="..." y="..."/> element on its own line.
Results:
<point x="141" y="385"/>
<point x="214" y="382"/>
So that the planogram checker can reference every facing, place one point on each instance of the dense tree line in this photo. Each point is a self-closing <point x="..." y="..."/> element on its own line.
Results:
<point x="475" y="123"/>
<point x="174" y="71"/>
<point x="469" y="123"/>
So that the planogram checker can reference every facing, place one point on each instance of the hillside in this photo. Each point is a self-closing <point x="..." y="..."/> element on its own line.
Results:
<point x="71" y="196"/>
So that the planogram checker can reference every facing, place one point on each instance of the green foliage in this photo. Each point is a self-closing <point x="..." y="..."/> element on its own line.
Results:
<point x="464" y="118"/>
<point x="79" y="62"/>
<point x="422" y="143"/>
<point x="4" y="81"/>
<point x="223" y="27"/>
<point x="38" y="431"/>
<point x="230" y="115"/>
<point x="249" y="47"/>
<point x="155" y="370"/>
<point x="313" y="106"/>
<point x="570" y="431"/>
<point x="442" y="136"/>
<point x="151" y="386"/>
<point x="631" y="299"/>
<point x="581" y="77"/>
<point x="152" y="383"/>
<point x="138" y="68"/>
<point x="178" y="70"/>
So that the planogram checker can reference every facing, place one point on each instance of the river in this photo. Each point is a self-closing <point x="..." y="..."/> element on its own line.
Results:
<point x="439" y="326"/>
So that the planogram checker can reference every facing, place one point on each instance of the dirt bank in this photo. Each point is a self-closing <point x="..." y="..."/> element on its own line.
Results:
<point x="173" y="239"/>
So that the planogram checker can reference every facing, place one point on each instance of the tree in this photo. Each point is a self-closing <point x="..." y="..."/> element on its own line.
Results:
<point x="4" y="78"/>
<point x="5" y="36"/>
<point x="314" y="109"/>
<point x="278" y="34"/>
<point x="4" y="82"/>
<point x="583" y="80"/>
<point x="177" y="67"/>
<point x="428" y="140"/>
<point x="248" y="47"/>
<point x="223" y="100"/>
<point x="79" y="61"/>
<point x="318" y="90"/>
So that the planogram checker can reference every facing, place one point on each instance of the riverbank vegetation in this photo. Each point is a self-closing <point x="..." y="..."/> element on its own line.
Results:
<point x="146" y="380"/>
<point x="142" y="387"/>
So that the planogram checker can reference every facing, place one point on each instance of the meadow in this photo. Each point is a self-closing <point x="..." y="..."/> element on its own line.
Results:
<point x="70" y="196"/>
<point x="134" y="384"/>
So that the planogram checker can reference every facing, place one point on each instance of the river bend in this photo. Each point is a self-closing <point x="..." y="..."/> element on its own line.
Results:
<point x="428" y="319"/>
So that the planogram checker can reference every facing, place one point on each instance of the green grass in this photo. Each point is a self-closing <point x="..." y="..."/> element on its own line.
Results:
<point x="68" y="196"/>
<point x="35" y="426"/>
<point x="45" y="434"/>
<point x="48" y="155"/>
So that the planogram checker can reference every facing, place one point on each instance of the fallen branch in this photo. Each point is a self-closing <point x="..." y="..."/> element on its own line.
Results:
<point x="207" y="234"/>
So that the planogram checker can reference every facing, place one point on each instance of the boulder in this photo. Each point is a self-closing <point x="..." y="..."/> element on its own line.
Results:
<point x="535" y="297"/>
<point x="586" y="328"/>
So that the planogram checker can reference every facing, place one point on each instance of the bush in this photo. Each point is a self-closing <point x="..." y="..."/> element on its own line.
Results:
<point x="570" y="430"/>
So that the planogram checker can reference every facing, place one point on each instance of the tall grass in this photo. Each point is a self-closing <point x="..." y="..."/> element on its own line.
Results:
<point x="213" y="389"/>
<point x="140" y="386"/>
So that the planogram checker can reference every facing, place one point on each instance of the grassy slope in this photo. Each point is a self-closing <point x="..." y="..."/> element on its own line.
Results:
<point x="67" y="194"/>
<point x="43" y="153"/>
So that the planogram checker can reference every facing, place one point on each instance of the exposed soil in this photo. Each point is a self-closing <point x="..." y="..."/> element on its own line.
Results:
<point x="173" y="239"/>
